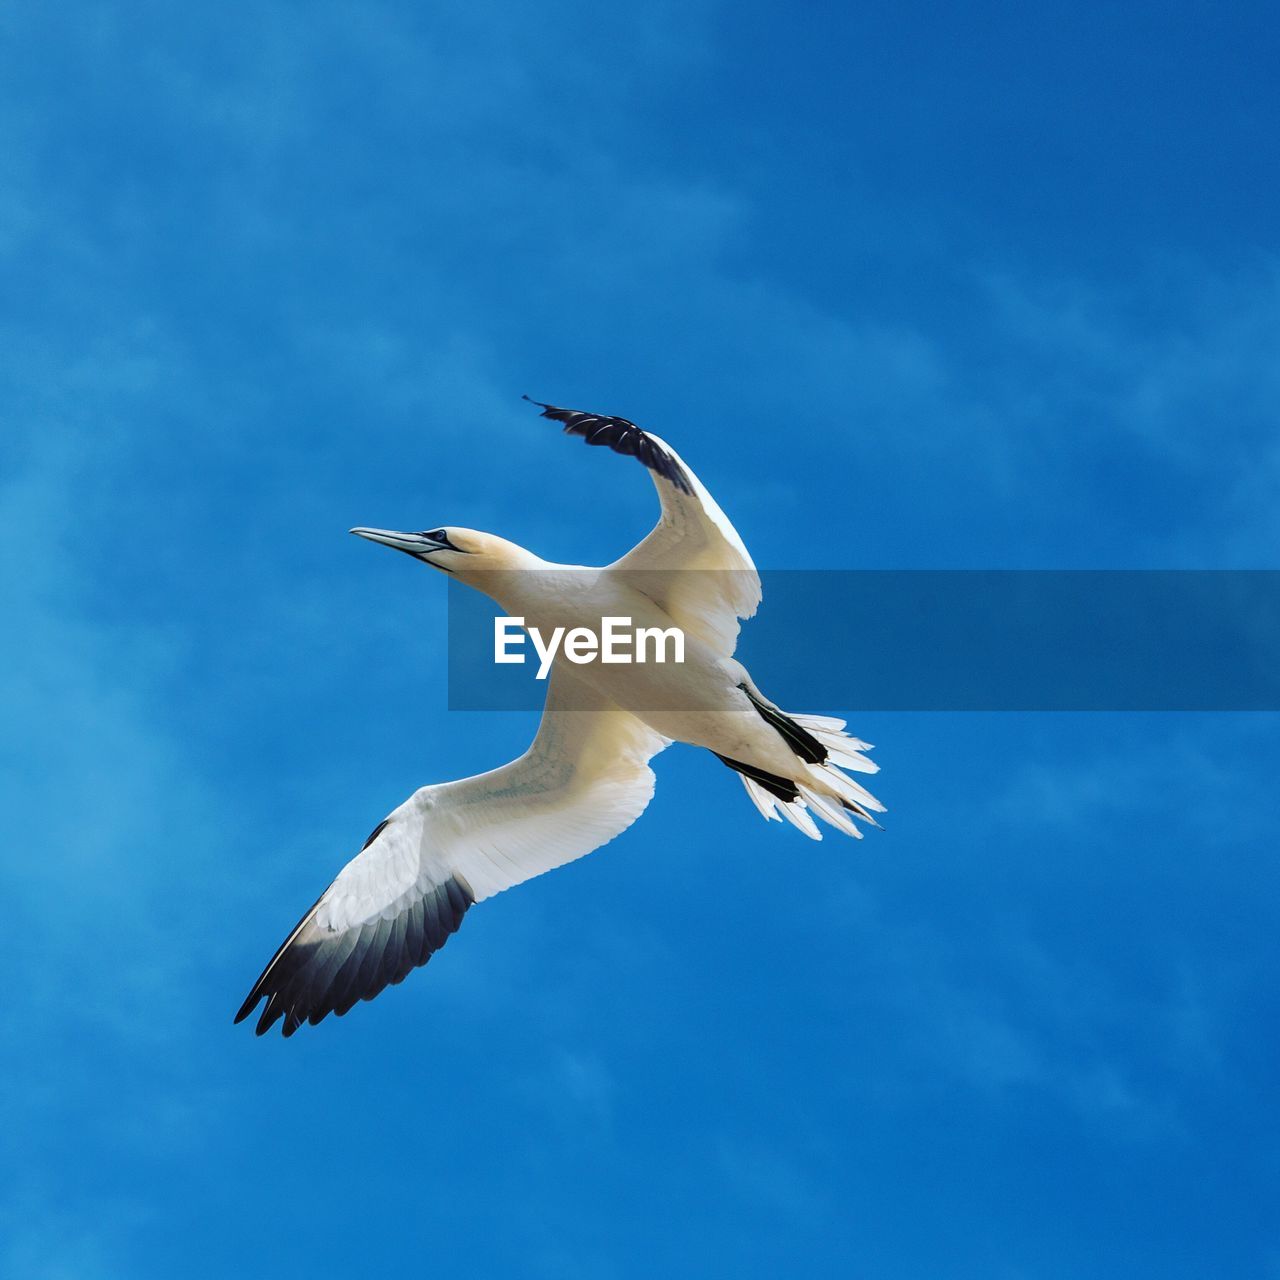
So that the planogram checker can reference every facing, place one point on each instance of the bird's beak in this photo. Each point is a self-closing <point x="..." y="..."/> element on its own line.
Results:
<point x="412" y="544"/>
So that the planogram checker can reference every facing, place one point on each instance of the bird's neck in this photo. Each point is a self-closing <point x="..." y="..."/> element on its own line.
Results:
<point x="530" y="588"/>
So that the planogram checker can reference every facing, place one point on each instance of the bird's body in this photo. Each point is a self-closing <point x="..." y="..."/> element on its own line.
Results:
<point x="698" y="700"/>
<point x="586" y="776"/>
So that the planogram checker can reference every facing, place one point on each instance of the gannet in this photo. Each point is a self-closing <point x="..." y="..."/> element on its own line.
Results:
<point x="586" y="777"/>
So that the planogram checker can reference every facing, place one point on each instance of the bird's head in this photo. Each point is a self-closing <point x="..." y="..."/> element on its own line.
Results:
<point x="467" y="554"/>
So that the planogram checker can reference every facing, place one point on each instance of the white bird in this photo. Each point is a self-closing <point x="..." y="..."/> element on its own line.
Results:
<point x="585" y="778"/>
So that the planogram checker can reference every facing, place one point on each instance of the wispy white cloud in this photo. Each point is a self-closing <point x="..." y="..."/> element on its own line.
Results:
<point x="47" y="1242"/>
<point x="1113" y="1012"/>
<point x="772" y="1180"/>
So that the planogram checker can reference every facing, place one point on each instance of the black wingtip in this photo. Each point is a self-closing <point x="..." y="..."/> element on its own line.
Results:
<point x="311" y="977"/>
<point x="622" y="436"/>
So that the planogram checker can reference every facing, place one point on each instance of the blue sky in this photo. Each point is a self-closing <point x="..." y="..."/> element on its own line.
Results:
<point x="991" y="287"/>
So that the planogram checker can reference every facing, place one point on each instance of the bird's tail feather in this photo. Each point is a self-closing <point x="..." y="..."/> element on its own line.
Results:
<point x="820" y="785"/>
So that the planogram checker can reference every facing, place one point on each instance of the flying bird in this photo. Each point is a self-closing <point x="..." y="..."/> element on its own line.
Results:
<point x="586" y="777"/>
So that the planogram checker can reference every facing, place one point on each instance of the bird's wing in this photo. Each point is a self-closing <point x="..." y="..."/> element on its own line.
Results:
<point x="693" y="564"/>
<point x="584" y="779"/>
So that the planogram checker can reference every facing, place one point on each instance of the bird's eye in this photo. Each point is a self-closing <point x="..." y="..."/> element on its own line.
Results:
<point x="436" y="535"/>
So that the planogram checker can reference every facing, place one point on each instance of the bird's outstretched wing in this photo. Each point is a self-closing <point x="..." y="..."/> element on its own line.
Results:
<point x="693" y="564"/>
<point x="584" y="779"/>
